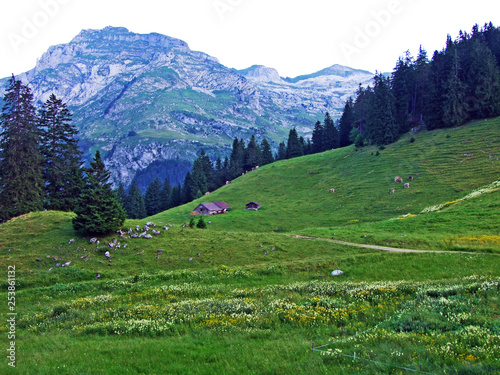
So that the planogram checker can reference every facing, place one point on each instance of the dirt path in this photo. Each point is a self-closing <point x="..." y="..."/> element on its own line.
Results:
<point x="384" y="248"/>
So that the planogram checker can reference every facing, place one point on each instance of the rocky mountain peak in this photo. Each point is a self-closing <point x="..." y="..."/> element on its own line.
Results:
<point x="147" y="99"/>
<point x="261" y="73"/>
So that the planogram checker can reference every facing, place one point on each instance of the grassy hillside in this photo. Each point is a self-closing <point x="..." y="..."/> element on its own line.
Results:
<point x="249" y="295"/>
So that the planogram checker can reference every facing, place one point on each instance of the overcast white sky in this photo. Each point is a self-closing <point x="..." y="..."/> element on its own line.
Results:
<point x="293" y="36"/>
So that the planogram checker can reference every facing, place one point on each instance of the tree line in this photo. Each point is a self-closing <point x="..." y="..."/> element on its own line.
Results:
<point x="41" y="165"/>
<point x="460" y="83"/>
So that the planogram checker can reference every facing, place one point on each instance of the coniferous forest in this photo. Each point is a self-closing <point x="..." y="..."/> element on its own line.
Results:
<point x="458" y="84"/>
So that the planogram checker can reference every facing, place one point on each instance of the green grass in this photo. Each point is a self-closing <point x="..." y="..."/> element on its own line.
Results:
<point x="258" y="295"/>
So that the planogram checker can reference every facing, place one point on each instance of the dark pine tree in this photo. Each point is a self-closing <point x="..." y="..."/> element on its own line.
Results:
<point x="237" y="159"/>
<point x="175" y="196"/>
<point x="62" y="157"/>
<point x="381" y="126"/>
<point x="346" y="123"/>
<point x="190" y="189"/>
<point x="98" y="211"/>
<point x="282" y="152"/>
<point x="21" y="182"/>
<point x="220" y="173"/>
<point x="318" y="136"/>
<point x="294" y="147"/>
<point x="331" y="134"/>
<point x="267" y="154"/>
<point x="454" y="107"/>
<point x="122" y="197"/>
<point x="165" y="193"/>
<point x="252" y="155"/>
<point x="136" y="206"/>
<point x="152" y="198"/>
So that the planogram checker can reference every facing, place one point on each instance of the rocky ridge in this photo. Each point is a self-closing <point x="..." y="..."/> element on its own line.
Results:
<point x="148" y="97"/>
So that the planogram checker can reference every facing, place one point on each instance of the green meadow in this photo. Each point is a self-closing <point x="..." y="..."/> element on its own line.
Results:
<point x="253" y="293"/>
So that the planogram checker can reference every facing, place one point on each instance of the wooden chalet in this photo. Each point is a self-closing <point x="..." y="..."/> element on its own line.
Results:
<point x="252" y="206"/>
<point x="214" y="208"/>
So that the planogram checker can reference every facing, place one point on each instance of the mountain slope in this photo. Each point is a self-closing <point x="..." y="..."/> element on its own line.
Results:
<point x="294" y="194"/>
<point x="149" y="98"/>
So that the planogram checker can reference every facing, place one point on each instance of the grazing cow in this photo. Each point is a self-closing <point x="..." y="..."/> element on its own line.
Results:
<point x="207" y="193"/>
<point x="410" y="178"/>
<point x="391" y="191"/>
<point x="407" y="185"/>
<point x="398" y="179"/>
<point x="332" y="190"/>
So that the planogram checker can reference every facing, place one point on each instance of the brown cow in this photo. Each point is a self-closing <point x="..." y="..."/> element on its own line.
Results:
<point x="391" y="191"/>
<point x="398" y="179"/>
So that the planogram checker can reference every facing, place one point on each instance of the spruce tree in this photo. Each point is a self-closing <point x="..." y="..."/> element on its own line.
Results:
<point x="331" y="134"/>
<point x="318" y="136"/>
<point x="136" y="206"/>
<point x="152" y="198"/>
<point x="454" y="109"/>
<point x="294" y="147"/>
<point x="282" y="152"/>
<point x="237" y="159"/>
<point x="21" y="182"/>
<point x="62" y="157"/>
<point x="346" y="123"/>
<point x="122" y="197"/>
<point x="176" y="196"/>
<point x="267" y="154"/>
<point x="252" y="155"/>
<point x="381" y="125"/>
<point x="98" y="210"/>
<point x="165" y="193"/>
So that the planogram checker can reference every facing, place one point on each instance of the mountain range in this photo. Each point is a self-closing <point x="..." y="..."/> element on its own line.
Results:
<point x="150" y="103"/>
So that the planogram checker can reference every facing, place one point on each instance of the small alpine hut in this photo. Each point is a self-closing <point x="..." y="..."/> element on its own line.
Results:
<point x="252" y="206"/>
<point x="213" y="208"/>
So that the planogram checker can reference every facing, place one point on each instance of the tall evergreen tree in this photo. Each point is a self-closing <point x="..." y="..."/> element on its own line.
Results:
<point x="331" y="134"/>
<point x="136" y="206"/>
<point x="267" y="154"/>
<point x="454" y="108"/>
<point x="381" y="126"/>
<point x="189" y="189"/>
<point x="152" y="198"/>
<point x="176" y="196"/>
<point x="165" y="193"/>
<point x="422" y="85"/>
<point x="282" y="152"/>
<point x="294" y="147"/>
<point x="403" y="90"/>
<point x="122" y="197"/>
<point x="199" y="180"/>
<point x="62" y="157"/>
<point x="237" y="159"/>
<point x="346" y="123"/>
<point x="253" y="154"/>
<point x="21" y="182"/>
<point x="318" y="137"/>
<point x="97" y="210"/>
